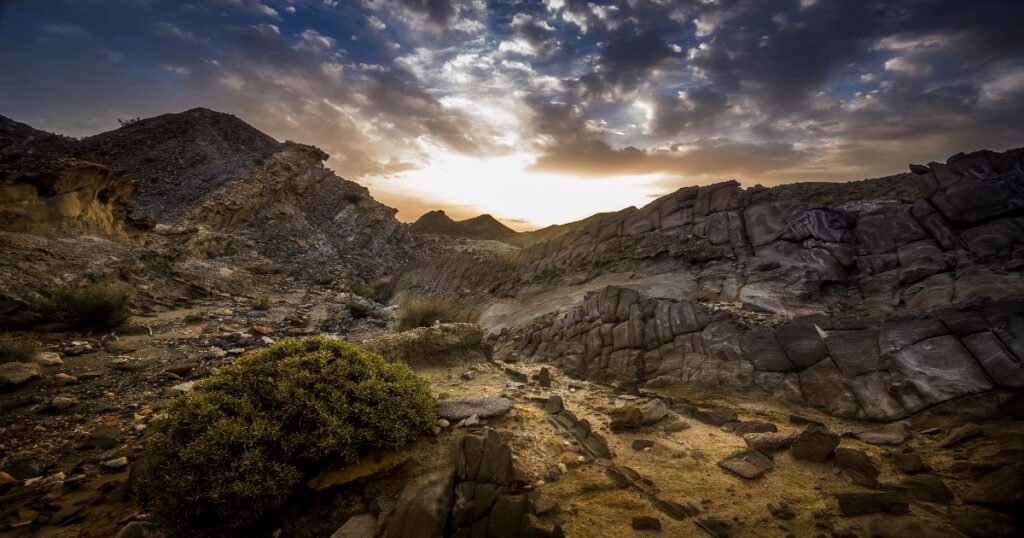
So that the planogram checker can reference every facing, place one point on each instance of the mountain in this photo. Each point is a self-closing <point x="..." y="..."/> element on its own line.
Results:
<point x="203" y="191"/>
<point x="481" y="227"/>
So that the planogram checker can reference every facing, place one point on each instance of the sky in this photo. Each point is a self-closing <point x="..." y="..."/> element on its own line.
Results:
<point x="540" y="111"/>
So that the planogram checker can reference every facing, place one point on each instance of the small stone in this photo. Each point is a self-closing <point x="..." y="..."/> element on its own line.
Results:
<point x="815" y="443"/>
<point x="910" y="462"/>
<point x="481" y="407"/>
<point x="714" y="417"/>
<point x="1003" y="487"/>
<point x="17" y="373"/>
<point x="927" y="488"/>
<point x="360" y="526"/>
<point x="180" y="388"/>
<point x="642" y="444"/>
<point x="676" y="426"/>
<point x="133" y="530"/>
<point x="890" y="434"/>
<point x="554" y="404"/>
<point x="63" y="402"/>
<point x="626" y="417"/>
<point x="442" y="423"/>
<point x="116" y="464"/>
<point x="65" y="379"/>
<point x="782" y="511"/>
<point x="747" y="464"/>
<point x="857" y="466"/>
<point x="675" y="510"/>
<point x="215" y="353"/>
<point x="544" y="378"/>
<point x="963" y="433"/>
<point x="435" y="430"/>
<point x="768" y="442"/>
<point x="47" y="358"/>
<point x="7" y="480"/>
<point x="856" y="504"/>
<point x="466" y="376"/>
<point x="104" y="437"/>
<point x="473" y="420"/>
<point x="646" y="523"/>
<point x="180" y="368"/>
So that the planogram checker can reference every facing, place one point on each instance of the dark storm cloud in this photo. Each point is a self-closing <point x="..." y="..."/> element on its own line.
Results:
<point x="766" y="89"/>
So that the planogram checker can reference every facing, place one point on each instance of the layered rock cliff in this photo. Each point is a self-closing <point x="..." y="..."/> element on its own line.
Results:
<point x="873" y="309"/>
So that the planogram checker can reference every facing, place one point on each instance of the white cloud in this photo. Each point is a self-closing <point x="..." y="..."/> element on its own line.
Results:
<point x="907" y="66"/>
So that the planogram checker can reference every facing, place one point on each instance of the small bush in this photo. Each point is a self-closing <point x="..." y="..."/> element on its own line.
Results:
<point x="362" y="311"/>
<point x="93" y="306"/>
<point x="232" y="451"/>
<point x="423" y="311"/>
<point x="17" y="350"/>
<point x="379" y="290"/>
<point x="262" y="302"/>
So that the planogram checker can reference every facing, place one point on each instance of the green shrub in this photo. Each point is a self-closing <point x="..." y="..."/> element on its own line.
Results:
<point x="423" y="311"/>
<point x="93" y="306"/>
<point x="17" y="350"/>
<point x="362" y="311"/>
<point x="232" y="451"/>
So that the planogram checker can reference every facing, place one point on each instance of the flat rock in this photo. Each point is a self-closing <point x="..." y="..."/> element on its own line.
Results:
<point x="857" y="466"/>
<point x="1004" y="487"/>
<point x="675" y="510"/>
<point x="926" y="488"/>
<point x="884" y="527"/>
<point x="963" y="433"/>
<point x="770" y="442"/>
<point x="714" y="417"/>
<point x="554" y="404"/>
<point x="455" y="410"/>
<point x="422" y="508"/>
<point x="646" y="523"/>
<point x="815" y="443"/>
<point x="17" y="373"/>
<point x="890" y="434"/>
<point x="857" y="504"/>
<point x="361" y="526"/>
<point x="747" y="464"/>
<point x="47" y="358"/>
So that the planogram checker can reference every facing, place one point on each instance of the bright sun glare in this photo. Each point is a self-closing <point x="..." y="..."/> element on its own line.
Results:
<point x="509" y="190"/>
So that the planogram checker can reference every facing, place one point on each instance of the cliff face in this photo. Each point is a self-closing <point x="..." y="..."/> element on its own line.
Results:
<point x="872" y="309"/>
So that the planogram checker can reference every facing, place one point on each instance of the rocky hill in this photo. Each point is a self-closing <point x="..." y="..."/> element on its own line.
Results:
<point x="203" y="191"/>
<point x="480" y="227"/>
<point x="838" y="304"/>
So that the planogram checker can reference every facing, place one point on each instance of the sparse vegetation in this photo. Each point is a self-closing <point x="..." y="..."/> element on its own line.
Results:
<point x="93" y="306"/>
<point x="362" y="310"/>
<point x="194" y="317"/>
<point x="234" y="449"/>
<point x="17" y="349"/>
<point x="129" y="121"/>
<point x="379" y="290"/>
<point x="262" y="302"/>
<point x="424" y="310"/>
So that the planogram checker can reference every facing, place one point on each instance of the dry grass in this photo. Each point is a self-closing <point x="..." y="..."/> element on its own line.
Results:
<point x="92" y="306"/>
<point x="17" y="349"/>
<point x="424" y="310"/>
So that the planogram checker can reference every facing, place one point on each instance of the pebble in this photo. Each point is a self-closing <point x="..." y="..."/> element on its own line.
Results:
<point x="65" y="379"/>
<point x="116" y="464"/>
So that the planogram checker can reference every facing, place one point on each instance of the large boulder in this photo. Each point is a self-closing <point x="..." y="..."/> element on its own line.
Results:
<point x="422" y="508"/>
<point x="937" y="370"/>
